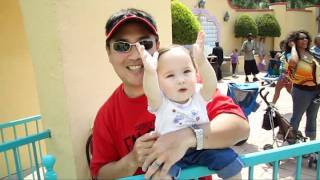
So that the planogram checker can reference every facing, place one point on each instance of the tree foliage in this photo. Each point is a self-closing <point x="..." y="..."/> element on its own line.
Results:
<point x="268" y="26"/>
<point x="185" y="25"/>
<point x="249" y="4"/>
<point x="244" y="25"/>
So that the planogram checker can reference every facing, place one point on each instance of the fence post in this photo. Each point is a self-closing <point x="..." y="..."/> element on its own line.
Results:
<point x="48" y="162"/>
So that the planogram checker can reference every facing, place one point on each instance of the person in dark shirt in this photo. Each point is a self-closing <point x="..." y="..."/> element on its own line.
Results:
<point x="218" y="52"/>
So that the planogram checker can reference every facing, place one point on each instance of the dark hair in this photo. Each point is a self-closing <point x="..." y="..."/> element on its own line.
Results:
<point x="166" y="49"/>
<point x="116" y="17"/>
<point x="294" y="36"/>
<point x="282" y="44"/>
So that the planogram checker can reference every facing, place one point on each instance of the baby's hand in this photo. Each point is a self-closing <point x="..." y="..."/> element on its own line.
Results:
<point x="198" y="49"/>
<point x="149" y="62"/>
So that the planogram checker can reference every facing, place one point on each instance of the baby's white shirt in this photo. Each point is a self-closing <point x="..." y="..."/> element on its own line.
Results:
<point x="172" y="116"/>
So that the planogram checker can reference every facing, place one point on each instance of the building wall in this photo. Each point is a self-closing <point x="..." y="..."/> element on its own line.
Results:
<point x="73" y="75"/>
<point x="18" y="93"/>
<point x="289" y="20"/>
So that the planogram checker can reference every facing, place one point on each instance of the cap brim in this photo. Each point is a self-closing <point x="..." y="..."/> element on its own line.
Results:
<point x="132" y="18"/>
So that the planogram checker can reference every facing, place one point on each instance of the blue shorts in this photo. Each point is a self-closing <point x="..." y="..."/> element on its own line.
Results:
<point x="225" y="162"/>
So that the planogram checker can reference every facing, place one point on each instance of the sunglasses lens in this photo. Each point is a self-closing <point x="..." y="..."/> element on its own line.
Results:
<point x="121" y="46"/>
<point x="148" y="44"/>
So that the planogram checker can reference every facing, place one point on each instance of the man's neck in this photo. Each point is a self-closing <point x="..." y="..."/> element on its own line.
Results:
<point x="133" y="91"/>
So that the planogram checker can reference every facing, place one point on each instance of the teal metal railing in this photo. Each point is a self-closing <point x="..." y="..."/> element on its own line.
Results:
<point x="251" y="160"/>
<point x="21" y="148"/>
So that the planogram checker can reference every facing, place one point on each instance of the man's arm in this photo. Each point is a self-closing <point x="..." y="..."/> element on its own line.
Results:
<point x="129" y="164"/>
<point x="243" y="47"/>
<point x="223" y="131"/>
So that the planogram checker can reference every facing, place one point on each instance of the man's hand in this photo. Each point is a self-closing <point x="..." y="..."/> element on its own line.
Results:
<point x="198" y="48"/>
<point x="167" y="150"/>
<point x="149" y="62"/>
<point x="142" y="147"/>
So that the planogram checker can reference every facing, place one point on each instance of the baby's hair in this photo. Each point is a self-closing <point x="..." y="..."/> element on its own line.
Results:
<point x="166" y="49"/>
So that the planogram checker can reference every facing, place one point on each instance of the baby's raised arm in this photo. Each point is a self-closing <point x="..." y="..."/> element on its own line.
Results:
<point x="150" y="77"/>
<point x="206" y="71"/>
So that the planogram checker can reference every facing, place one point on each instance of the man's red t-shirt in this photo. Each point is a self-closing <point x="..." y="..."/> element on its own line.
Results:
<point x="121" y="120"/>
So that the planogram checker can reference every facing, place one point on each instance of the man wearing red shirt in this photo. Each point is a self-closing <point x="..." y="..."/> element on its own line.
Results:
<point x="122" y="138"/>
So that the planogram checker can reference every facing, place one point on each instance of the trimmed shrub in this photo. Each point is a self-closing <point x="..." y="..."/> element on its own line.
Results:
<point x="244" y="25"/>
<point x="185" y="25"/>
<point x="268" y="26"/>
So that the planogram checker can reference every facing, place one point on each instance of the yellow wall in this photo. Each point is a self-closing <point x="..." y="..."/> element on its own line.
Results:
<point x="18" y="93"/>
<point x="74" y="78"/>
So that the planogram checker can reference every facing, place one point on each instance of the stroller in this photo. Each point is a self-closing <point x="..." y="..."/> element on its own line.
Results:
<point x="245" y="95"/>
<point x="273" y="119"/>
<point x="273" y="72"/>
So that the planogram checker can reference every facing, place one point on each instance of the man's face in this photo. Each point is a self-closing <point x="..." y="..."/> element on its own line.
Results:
<point x="128" y="65"/>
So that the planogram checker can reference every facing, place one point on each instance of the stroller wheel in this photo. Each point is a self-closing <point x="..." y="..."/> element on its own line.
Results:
<point x="267" y="146"/>
<point x="311" y="161"/>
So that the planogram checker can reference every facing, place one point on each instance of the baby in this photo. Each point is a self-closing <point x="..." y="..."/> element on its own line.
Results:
<point x="178" y="101"/>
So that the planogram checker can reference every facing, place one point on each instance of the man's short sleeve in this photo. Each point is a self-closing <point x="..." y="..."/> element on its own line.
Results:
<point x="222" y="104"/>
<point x="103" y="144"/>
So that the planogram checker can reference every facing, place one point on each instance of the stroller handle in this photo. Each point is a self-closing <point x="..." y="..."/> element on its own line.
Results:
<point x="264" y="96"/>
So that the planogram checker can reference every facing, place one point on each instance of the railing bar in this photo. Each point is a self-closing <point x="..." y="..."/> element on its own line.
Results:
<point x="251" y="170"/>
<point x="2" y="136"/>
<point x="19" y="121"/>
<point x="280" y="153"/>
<point x="37" y="125"/>
<point x="16" y="137"/>
<point x="14" y="132"/>
<point x="41" y="160"/>
<point x="25" y="140"/>
<point x="318" y="164"/>
<point x="5" y="155"/>
<point x="298" y="167"/>
<point x="17" y="163"/>
<point x="275" y="171"/>
<point x="29" y="151"/>
<point x="36" y="159"/>
<point x="40" y="149"/>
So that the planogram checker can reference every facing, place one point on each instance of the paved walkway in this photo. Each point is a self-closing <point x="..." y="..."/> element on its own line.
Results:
<point x="259" y="137"/>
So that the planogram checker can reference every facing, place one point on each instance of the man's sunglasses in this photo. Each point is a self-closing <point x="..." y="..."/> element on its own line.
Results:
<point x="124" y="47"/>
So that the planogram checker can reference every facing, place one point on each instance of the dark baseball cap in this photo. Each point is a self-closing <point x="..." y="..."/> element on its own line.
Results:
<point x="130" y="15"/>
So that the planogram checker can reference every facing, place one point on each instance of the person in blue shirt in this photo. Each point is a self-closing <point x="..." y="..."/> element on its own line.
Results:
<point x="315" y="50"/>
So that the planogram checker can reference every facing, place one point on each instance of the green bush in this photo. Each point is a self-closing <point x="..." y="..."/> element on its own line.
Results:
<point x="185" y="25"/>
<point x="268" y="26"/>
<point x="244" y="25"/>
